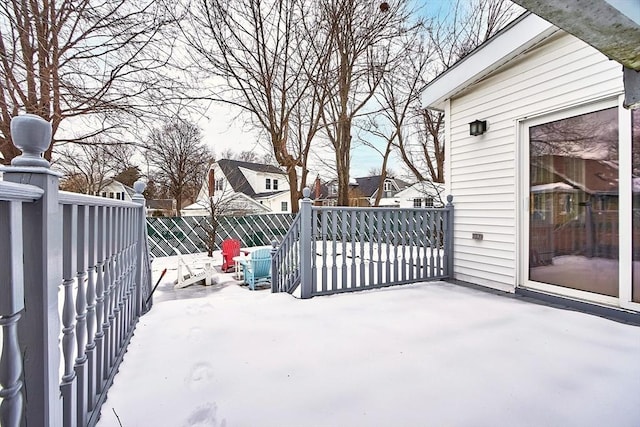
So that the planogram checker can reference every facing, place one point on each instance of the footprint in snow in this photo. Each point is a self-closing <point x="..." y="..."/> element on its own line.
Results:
<point x="205" y="416"/>
<point x="199" y="375"/>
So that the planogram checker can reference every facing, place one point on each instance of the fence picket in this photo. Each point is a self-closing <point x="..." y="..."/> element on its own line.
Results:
<point x="410" y="245"/>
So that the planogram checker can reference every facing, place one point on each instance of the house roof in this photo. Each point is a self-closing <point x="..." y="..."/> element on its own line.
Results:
<point x="422" y="187"/>
<point x="270" y="194"/>
<point x="589" y="175"/>
<point x="368" y="185"/>
<point x="239" y="183"/>
<point x="130" y="191"/>
<point x="519" y="36"/>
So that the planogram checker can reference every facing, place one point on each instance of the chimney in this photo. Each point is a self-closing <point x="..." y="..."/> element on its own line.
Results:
<point x="316" y="187"/>
<point x="212" y="182"/>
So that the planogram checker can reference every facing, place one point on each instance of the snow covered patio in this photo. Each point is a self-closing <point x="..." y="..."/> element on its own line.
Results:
<point x="415" y="355"/>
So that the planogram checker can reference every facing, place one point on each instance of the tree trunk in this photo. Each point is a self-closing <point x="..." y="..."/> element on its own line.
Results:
<point x="293" y="188"/>
<point x="343" y="161"/>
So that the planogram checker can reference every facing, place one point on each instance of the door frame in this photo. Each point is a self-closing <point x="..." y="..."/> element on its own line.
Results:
<point x="624" y="206"/>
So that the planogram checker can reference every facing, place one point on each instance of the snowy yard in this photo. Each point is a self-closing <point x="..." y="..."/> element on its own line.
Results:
<point x="432" y="354"/>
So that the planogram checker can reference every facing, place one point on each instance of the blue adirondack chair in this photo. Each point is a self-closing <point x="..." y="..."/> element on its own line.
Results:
<point x="257" y="268"/>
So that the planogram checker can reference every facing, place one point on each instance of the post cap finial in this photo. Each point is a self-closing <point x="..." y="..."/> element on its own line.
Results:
<point x="32" y="135"/>
<point x="306" y="192"/>
<point x="449" y="199"/>
<point x="139" y="186"/>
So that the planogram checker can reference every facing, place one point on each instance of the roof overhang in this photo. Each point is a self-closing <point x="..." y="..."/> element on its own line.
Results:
<point x="611" y="26"/>
<point x="522" y="34"/>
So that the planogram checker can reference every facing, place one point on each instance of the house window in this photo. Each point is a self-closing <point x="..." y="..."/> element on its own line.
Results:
<point x="284" y="206"/>
<point x="118" y="196"/>
<point x="111" y="194"/>
<point x="267" y="184"/>
<point x="219" y="184"/>
<point x="275" y="184"/>
<point x="387" y="186"/>
<point x="333" y="189"/>
<point x="417" y="203"/>
<point x="104" y="194"/>
<point x="428" y="202"/>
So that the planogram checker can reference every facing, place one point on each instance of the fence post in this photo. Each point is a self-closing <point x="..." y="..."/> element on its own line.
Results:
<point x="137" y="197"/>
<point x="39" y="328"/>
<point x="305" y="244"/>
<point x="274" y="276"/>
<point x="449" y="236"/>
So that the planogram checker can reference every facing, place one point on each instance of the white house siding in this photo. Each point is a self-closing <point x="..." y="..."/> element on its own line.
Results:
<point x="115" y="189"/>
<point x="483" y="170"/>
<point x="258" y="180"/>
<point x="275" y="202"/>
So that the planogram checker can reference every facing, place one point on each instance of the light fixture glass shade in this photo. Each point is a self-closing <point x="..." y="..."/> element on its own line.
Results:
<point x="477" y="127"/>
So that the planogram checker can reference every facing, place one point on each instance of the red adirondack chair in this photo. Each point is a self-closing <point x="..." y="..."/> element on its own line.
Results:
<point x="230" y="249"/>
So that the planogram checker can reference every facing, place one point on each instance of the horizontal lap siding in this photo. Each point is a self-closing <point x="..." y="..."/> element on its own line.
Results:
<point x="484" y="169"/>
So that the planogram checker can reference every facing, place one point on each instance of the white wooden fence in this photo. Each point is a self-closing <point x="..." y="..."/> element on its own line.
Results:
<point x="74" y="279"/>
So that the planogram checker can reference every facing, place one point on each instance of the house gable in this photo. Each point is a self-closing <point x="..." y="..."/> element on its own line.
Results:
<point x="258" y="182"/>
<point x="513" y="40"/>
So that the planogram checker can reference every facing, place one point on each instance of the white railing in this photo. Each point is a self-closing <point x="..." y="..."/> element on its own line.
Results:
<point x="73" y="266"/>
<point x="331" y="250"/>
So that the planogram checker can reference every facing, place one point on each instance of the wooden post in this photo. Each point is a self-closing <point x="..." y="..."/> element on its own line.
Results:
<point x="306" y="281"/>
<point x="449" y="237"/>
<point x="141" y="235"/>
<point x="39" y="327"/>
<point x="274" y="268"/>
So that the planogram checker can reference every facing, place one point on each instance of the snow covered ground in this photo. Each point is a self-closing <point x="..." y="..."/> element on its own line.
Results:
<point x="431" y="354"/>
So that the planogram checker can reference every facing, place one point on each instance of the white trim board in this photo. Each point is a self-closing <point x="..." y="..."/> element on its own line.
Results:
<point x="521" y="35"/>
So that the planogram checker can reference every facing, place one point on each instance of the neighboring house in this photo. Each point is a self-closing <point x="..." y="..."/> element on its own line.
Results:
<point x="422" y="194"/>
<point x="240" y="188"/>
<point x="541" y="164"/>
<point x="116" y="190"/>
<point x="574" y="208"/>
<point x="362" y="191"/>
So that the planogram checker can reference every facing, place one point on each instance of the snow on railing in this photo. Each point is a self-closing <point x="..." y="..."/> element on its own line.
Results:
<point x="343" y="249"/>
<point x="75" y="266"/>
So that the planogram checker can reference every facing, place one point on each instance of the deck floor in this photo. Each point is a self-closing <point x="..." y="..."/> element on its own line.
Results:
<point x="414" y="355"/>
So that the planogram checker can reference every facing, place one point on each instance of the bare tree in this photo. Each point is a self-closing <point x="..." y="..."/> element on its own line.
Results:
<point x="249" y="156"/>
<point x="425" y="149"/>
<point x="465" y="24"/>
<point x="179" y="158"/>
<point x="361" y="42"/>
<point x="94" y="60"/>
<point x="128" y="175"/>
<point x="89" y="166"/>
<point x="399" y="98"/>
<point x="253" y="47"/>
<point x="461" y="27"/>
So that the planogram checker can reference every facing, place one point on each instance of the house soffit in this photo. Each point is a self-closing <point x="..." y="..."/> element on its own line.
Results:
<point x="610" y="26"/>
<point x="518" y="37"/>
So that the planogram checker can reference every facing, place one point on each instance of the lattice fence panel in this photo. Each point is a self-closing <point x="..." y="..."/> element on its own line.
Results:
<point x="189" y="233"/>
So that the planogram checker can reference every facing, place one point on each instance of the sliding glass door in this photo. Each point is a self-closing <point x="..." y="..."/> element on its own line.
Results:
<point x="573" y="199"/>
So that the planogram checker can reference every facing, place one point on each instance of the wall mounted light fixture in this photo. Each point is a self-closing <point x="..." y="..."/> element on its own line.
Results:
<point x="477" y="127"/>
